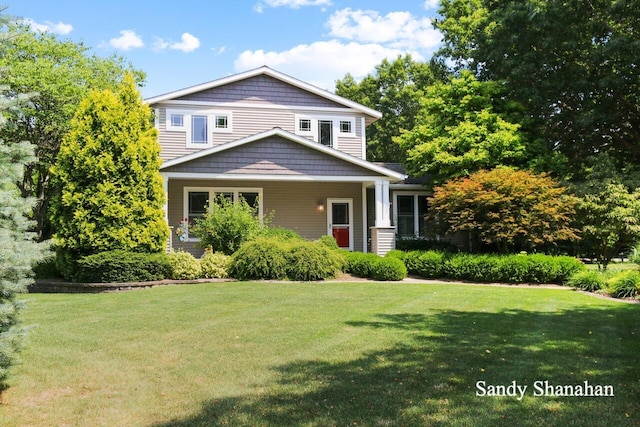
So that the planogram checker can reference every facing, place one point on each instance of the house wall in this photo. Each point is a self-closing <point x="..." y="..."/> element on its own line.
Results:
<point x="293" y="205"/>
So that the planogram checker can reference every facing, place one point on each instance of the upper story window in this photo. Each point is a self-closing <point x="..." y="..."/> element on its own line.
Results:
<point x="325" y="129"/>
<point x="198" y="126"/>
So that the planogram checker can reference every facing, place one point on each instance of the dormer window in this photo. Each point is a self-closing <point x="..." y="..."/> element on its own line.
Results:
<point x="199" y="126"/>
<point x="325" y="129"/>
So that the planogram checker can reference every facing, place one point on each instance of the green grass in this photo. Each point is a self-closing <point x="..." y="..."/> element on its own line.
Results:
<point x="272" y="354"/>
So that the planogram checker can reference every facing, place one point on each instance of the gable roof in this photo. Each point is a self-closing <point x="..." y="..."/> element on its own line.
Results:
<point x="376" y="170"/>
<point x="264" y="70"/>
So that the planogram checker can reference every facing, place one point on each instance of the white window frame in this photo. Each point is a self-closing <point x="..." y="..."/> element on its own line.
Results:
<point x="416" y="208"/>
<point x="212" y="191"/>
<point x="337" y="128"/>
<point x="211" y="117"/>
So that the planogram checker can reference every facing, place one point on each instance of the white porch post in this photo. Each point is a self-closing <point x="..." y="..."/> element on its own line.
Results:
<point x="383" y="236"/>
<point x="165" y="208"/>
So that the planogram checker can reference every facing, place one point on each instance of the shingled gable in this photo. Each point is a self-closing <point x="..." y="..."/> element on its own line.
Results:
<point x="280" y="154"/>
<point x="192" y="93"/>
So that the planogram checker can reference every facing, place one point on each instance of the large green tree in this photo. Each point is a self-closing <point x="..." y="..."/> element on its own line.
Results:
<point x="463" y="126"/>
<point x="18" y="250"/>
<point x="60" y="73"/>
<point x="573" y="64"/>
<point x="112" y="193"/>
<point x="394" y="89"/>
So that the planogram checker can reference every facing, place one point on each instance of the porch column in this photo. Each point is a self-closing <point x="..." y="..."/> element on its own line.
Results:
<point x="383" y="235"/>
<point x="165" y="208"/>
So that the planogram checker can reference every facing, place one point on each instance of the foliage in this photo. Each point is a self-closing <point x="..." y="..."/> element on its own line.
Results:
<point x="280" y="233"/>
<point x="183" y="266"/>
<point x="506" y="208"/>
<point x="572" y="64"/>
<point x="329" y="241"/>
<point x="375" y="267"/>
<point x="625" y="284"/>
<point x="464" y="125"/>
<point x="424" y="244"/>
<point x="590" y="281"/>
<point x="214" y="265"/>
<point x="610" y="221"/>
<point x="227" y="225"/>
<point x="522" y="268"/>
<point x="394" y="89"/>
<point x="262" y="258"/>
<point x="18" y="250"/>
<point x="122" y="266"/>
<point x="308" y="261"/>
<point x="386" y="269"/>
<point x="108" y="168"/>
<point x="61" y="73"/>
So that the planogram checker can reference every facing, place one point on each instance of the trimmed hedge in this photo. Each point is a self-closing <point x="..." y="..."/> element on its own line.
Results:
<point x="122" y="266"/>
<point x="536" y="268"/>
<point x="372" y="266"/>
<point x="276" y="259"/>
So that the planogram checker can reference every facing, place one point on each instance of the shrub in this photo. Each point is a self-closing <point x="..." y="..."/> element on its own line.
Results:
<point x="429" y="264"/>
<point x="122" y="266"/>
<point x="422" y="244"/>
<point x="479" y="268"/>
<point x="46" y="268"/>
<point x="279" y="233"/>
<point x="263" y="258"/>
<point x="625" y="284"/>
<point x="360" y="264"/>
<point x="396" y="253"/>
<point x="214" y="265"/>
<point x="587" y="281"/>
<point x="312" y="261"/>
<point x="227" y="225"/>
<point x="329" y="242"/>
<point x="184" y="266"/>
<point x="388" y="268"/>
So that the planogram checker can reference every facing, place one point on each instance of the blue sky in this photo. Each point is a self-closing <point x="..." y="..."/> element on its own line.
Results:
<point x="180" y="44"/>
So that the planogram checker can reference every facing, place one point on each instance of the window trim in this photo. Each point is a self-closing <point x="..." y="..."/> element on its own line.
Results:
<point x="336" y="120"/>
<point x="187" y="125"/>
<point x="416" y="209"/>
<point x="212" y="191"/>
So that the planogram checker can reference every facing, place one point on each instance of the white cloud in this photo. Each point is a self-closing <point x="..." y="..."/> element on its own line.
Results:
<point x="322" y="63"/>
<point x="128" y="40"/>
<point x="59" y="28"/>
<point x="396" y="29"/>
<point x="431" y="4"/>
<point x="293" y="4"/>
<point x="187" y="43"/>
<point x="159" y="44"/>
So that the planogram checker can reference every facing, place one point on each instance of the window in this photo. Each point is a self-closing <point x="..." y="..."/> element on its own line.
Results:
<point x="409" y="214"/>
<point x="345" y="126"/>
<point x="222" y="122"/>
<point x="196" y="201"/>
<point x="325" y="132"/>
<point x="304" y="125"/>
<point x="177" y="120"/>
<point x="199" y="133"/>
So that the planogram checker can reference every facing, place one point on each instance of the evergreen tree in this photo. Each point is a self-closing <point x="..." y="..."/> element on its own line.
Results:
<point x="18" y="250"/>
<point x="112" y="194"/>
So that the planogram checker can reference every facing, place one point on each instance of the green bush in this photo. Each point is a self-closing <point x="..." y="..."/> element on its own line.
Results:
<point x="388" y="268"/>
<point x="625" y="284"/>
<point x="46" y="268"/>
<point x="360" y="264"/>
<point x="227" y="225"/>
<point x="308" y="261"/>
<point x="329" y="242"/>
<point x="429" y="265"/>
<point x="122" y="266"/>
<point x="263" y="258"/>
<point x="587" y="281"/>
<point x="410" y="260"/>
<point x="214" y="265"/>
<point x="184" y="266"/>
<point x="279" y="233"/>
<point x="477" y="268"/>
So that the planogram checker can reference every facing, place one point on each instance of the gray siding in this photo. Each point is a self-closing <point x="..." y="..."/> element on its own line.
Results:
<point x="274" y="156"/>
<point x="261" y="90"/>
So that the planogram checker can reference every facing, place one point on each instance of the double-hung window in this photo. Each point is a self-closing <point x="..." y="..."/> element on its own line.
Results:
<point x="409" y="211"/>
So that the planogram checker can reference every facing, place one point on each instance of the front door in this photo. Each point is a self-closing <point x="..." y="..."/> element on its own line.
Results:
<point x="340" y="222"/>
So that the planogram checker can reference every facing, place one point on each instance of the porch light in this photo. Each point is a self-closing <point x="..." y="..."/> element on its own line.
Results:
<point x="320" y="207"/>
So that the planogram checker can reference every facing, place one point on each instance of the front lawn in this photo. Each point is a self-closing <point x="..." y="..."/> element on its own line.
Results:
<point x="320" y="354"/>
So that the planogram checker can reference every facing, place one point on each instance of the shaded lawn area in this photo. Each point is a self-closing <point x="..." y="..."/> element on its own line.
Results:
<point x="323" y="354"/>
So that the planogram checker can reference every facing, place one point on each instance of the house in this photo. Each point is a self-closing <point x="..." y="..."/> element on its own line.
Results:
<point x="286" y="147"/>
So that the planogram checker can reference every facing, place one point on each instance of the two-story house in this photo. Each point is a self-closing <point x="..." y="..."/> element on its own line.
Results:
<point x="286" y="147"/>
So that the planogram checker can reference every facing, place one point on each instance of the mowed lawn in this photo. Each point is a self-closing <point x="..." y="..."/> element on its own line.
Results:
<point x="322" y="354"/>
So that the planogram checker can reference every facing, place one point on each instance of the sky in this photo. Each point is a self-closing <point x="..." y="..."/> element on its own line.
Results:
<point x="181" y="44"/>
